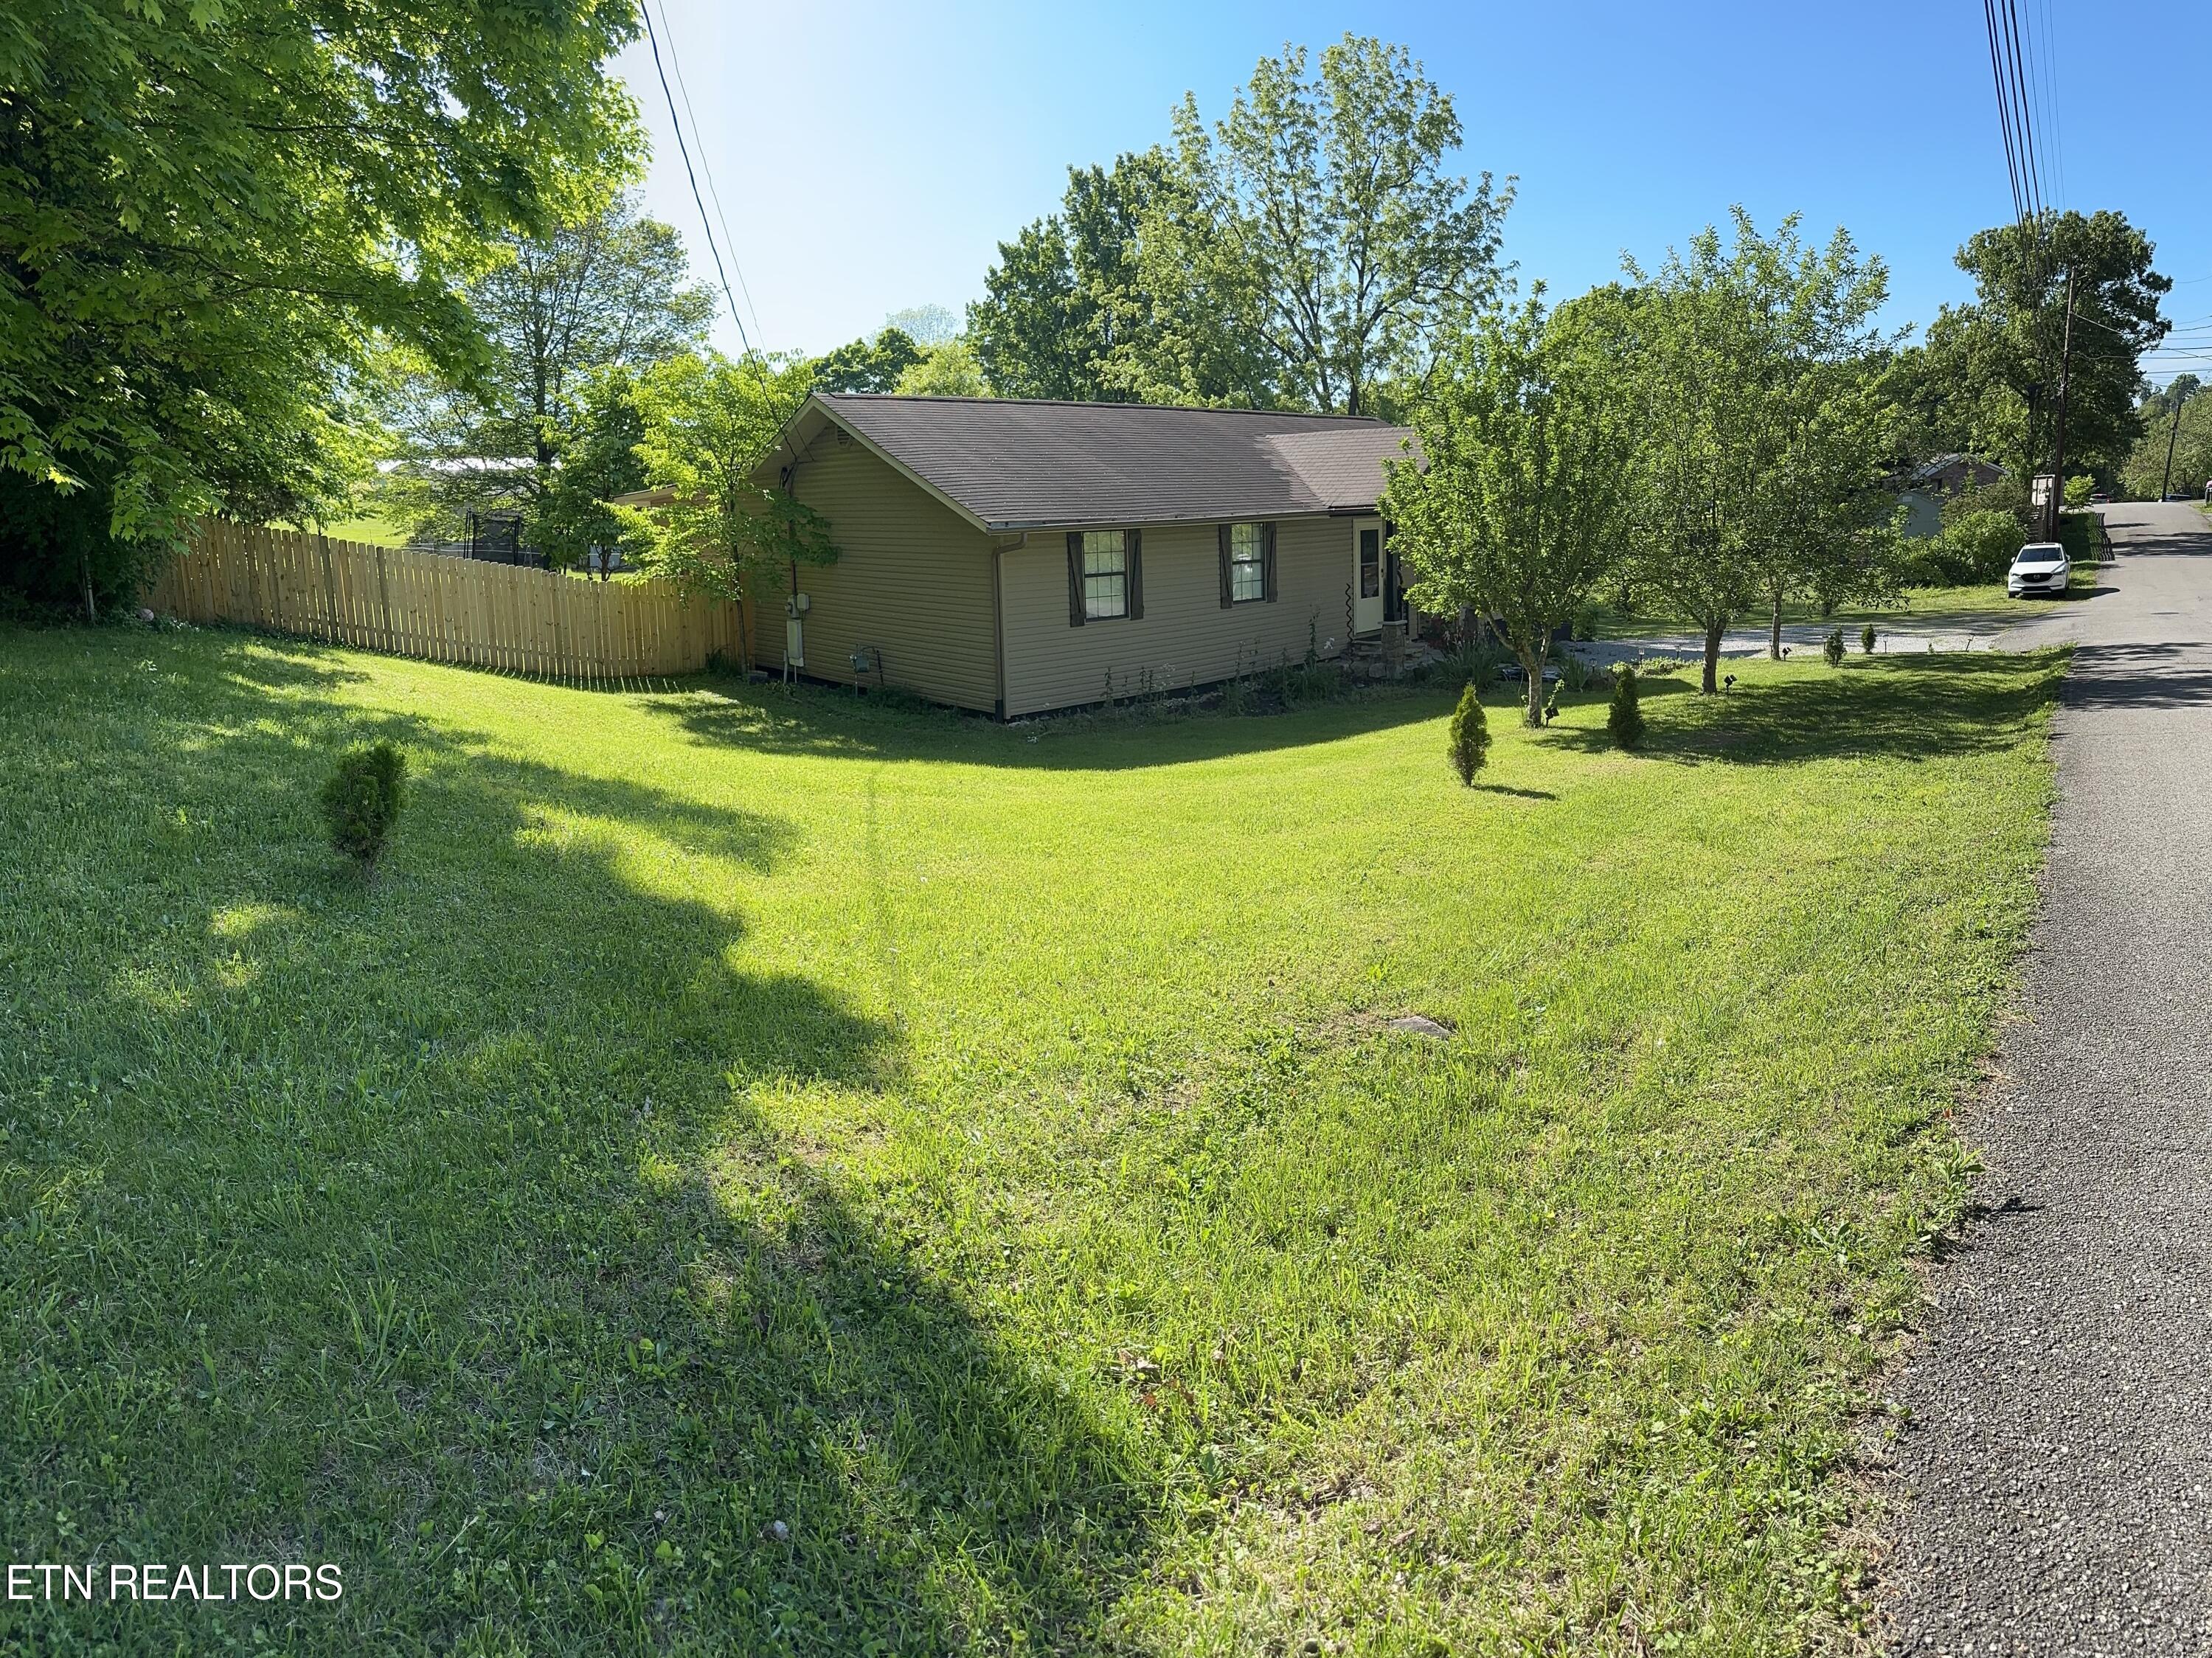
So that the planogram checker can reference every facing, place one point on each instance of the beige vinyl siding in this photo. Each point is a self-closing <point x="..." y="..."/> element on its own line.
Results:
<point x="912" y="580"/>
<point x="1184" y="636"/>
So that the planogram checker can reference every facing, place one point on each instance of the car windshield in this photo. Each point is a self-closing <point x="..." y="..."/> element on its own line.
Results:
<point x="2040" y="556"/>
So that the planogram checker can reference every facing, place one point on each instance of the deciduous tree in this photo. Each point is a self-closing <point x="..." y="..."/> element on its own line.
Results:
<point x="2177" y="422"/>
<point x="206" y="211"/>
<point x="708" y="422"/>
<point x="1756" y="393"/>
<point x="1996" y="362"/>
<point x="927" y="325"/>
<point x="1066" y="302"/>
<point x="949" y="370"/>
<point x="598" y="461"/>
<point x="867" y="364"/>
<point x="606" y="291"/>
<point x="1517" y="514"/>
<point x="1313" y="244"/>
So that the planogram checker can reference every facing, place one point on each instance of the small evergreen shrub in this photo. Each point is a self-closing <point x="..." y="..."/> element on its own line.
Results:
<point x="1624" y="717"/>
<point x="1470" y="735"/>
<point x="1866" y="640"/>
<point x="360" y="801"/>
<point x="1833" y="649"/>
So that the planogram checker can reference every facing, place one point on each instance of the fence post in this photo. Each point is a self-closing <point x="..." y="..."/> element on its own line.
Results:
<point x="384" y="597"/>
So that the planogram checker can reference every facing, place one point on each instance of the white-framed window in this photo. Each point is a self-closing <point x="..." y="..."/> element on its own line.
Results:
<point x="1247" y="563"/>
<point x="1105" y="574"/>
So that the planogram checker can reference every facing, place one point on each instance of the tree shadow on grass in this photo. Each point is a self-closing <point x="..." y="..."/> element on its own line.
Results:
<point x="479" y="1228"/>
<point x="837" y="722"/>
<point x="1908" y="706"/>
<point x="823" y="720"/>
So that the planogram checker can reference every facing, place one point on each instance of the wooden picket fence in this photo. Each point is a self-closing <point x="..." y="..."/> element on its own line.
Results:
<point x="447" y="609"/>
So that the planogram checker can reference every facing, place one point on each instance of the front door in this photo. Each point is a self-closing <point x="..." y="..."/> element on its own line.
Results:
<point x="1367" y="584"/>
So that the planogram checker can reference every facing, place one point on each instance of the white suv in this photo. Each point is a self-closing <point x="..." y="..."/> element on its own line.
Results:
<point x="2041" y="567"/>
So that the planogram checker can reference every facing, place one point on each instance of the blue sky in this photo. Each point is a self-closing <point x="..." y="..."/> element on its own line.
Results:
<point x="870" y="156"/>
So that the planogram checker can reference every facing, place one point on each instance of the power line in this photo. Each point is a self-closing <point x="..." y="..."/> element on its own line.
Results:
<point x="684" y="150"/>
<point x="707" y="166"/>
<point x="2004" y="111"/>
<point x="2034" y="67"/>
<point x="2015" y="65"/>
<point x="2051" y="58"/>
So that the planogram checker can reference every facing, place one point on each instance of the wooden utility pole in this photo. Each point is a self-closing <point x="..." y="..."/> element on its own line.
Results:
<point x="2058" y="457"/>
<point x="2172" y="437"/>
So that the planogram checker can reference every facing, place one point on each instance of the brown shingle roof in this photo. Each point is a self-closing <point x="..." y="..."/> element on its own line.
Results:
<point x="1012" y="463"/>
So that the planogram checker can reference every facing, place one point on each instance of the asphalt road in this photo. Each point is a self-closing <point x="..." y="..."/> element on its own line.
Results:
<point x="2057" y="1463"/>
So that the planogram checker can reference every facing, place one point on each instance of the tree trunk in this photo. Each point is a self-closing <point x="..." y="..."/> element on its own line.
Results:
<point x="1534" y="669"/>
<point x="1774" y="631"/>
<point x="1713" y="631"/>
<point x="84" y="568"/>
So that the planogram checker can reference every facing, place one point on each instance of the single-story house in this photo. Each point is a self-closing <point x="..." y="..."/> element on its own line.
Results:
<point x="1014" y="556"/>
<point x="1928" y="486"/>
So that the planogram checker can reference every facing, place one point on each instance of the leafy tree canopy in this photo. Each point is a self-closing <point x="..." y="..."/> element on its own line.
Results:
<point x="1311" y="249"/>
<point x="207" y="210"/>
<point x="1992" y="368"/>
<point x="604" y="291"/>
<point x="926" y="325"/>
<point x="949" y="370"/>
<point x="1313" y="244"/>
<point x="2177" y="422"/>
<point x="1067" y="301"/>
<point x="708" y="422"/>
<point x="867" y="364"/>
<point x="1517" y="514"/>
<point x="1757" y="382"/>
<point x="598" y="461"/>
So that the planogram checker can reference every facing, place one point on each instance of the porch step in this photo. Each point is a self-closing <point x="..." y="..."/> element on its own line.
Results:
<point x="1386" y="652"/>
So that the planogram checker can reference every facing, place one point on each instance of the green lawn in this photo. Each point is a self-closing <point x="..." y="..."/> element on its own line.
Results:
<point x="373" y="528"/>
<point x="765" y="1174"/>
<point x="1936" y="609"/>
<point x="1939" y="607"/>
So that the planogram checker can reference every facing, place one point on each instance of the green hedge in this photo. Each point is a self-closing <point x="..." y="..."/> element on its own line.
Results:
<point x="2082" y="535"/>
<point x="1974" y="548"/>
<point x="1977" y="548"/>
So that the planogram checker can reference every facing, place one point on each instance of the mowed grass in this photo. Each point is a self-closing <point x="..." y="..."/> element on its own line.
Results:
<point x="1922" y="610"/>
<point x="1919" y="608"/>
<point x="781" y="1175"/>
<point x="373" y="528"/>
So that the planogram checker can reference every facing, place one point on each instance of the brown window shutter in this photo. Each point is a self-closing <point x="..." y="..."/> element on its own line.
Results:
<point x="1267" y="560"/>
<point x="1228" y="588"/>
<point x="1074" y="578"/>
<point x="1134" y="542"/>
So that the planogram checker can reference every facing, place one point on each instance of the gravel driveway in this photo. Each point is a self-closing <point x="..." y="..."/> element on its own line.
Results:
<point x="2057" y="1463"/>
<point x="1804" y="639"/>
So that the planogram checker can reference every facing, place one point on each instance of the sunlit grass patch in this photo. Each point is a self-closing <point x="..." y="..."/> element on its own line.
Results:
<point x="765" y="1173"/>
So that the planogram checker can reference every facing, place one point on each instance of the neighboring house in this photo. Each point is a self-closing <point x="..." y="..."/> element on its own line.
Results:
<point x="1014" y="556"/>
<point x="1928" y="486"/>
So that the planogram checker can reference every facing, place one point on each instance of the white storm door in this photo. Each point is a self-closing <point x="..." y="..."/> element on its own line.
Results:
<point x="1366" y="575"/>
